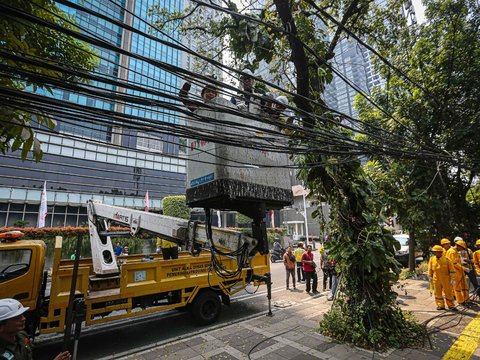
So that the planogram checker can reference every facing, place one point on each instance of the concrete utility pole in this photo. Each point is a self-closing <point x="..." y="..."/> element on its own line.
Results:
<point x="305" y="213"/>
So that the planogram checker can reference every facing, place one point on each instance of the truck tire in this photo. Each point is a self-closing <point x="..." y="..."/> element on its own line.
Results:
<point x="206" y="307"/>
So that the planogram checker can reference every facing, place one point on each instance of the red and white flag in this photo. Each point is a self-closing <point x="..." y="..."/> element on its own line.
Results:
<point x="272" y="218"/>
<point x="147" y="202"/>
<point x="42" y="212"/>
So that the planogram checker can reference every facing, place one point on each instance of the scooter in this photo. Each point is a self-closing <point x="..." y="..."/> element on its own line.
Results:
<point x="276" y="255"/>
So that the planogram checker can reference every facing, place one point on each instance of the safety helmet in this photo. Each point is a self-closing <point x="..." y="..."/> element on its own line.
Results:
<point x="246" y="74"/>
<point x="437" y="248"/>
<point x="461" y="243"/>
<point x="445" y="241"/>
<point x="477" y="242"/>
<point x="10" y="308"/>
<point x="457" y="238"/>
<point x="282" y="100"/>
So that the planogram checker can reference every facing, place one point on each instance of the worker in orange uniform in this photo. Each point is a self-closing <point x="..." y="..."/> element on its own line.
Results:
<point x="459" y="288"/>
<point x="476" y="258"/>
<point x="476" y="263"/>
<point x="461" y="247"/>
<point x="441" y="272"/>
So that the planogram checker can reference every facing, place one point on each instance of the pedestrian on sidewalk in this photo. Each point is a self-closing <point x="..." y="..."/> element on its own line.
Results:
<point x="441" y="273"/>
<point x="289" y="262"/>
<point x="298" y="258"/>
<point x="460" y="281"/>
<point x="326" y="267"/>
<point x="335" y="277"/>
<point x="309" y="267"/>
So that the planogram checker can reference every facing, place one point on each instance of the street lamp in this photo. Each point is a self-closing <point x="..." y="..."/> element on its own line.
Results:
<point x="304" y="213"/>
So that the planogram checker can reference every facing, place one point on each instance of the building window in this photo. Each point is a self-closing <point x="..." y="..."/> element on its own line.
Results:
<point x="149" y="142"/>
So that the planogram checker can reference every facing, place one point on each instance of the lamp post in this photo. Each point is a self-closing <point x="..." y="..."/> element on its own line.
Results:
<point x="305" y="216"/>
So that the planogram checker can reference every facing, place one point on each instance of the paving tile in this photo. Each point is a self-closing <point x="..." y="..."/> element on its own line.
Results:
<point x="288" y="352"/>
<point x="222" y="356"/>
<point x="304" y="356"/>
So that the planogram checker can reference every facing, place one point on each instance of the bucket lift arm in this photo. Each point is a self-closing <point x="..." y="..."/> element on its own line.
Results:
<point x="178" y="230"/>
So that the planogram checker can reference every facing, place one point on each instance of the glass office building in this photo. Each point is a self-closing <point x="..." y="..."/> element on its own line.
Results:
<point x="104" y="160"/>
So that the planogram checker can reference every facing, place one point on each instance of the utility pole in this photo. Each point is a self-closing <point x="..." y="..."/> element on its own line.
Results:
<point x="305" y="213"/>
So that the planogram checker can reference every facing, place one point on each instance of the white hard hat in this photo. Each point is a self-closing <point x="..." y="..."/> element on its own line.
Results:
<point x="246" y="73"/>
<point x="282" y="100"/>
<point x="10" y="308"/>
<point x="457" y="238"/>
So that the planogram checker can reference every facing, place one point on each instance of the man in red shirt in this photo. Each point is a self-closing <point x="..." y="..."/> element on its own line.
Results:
<point x="309" y="270"/>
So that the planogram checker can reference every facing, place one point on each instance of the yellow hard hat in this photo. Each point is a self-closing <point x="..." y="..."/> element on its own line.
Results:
<point x="437" y="248"/>
<point x="461" y="243"/>
<point x="445" y="241"/>
<point x="477" y="242"/>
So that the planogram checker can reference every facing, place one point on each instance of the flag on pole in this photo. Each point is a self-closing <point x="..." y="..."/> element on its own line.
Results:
<point x="42" y="212"/>
<point x="272" y="218"/>
<point x="219" y="217"/>
<point x="147" y="202"/>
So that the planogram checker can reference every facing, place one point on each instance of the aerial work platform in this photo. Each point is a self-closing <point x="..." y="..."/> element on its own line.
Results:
<point x="228" y="177"/>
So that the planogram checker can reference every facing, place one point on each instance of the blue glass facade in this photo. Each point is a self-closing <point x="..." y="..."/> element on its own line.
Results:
<point x="84" y="160"/>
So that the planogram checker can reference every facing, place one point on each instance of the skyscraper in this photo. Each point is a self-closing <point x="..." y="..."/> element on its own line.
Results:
<point x="102" y="158"/>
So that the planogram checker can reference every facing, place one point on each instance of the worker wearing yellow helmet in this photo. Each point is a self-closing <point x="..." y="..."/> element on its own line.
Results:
<point x="476" y="258"/>
<point x="454" y="257"/>
<point x="441" y="273"/>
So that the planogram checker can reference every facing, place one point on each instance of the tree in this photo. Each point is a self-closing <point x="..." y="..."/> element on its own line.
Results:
<point x="176" y="206"/>
<point x="23" y="43"/>
<point x="294" y="38"/>
<point x="434" y="103"/>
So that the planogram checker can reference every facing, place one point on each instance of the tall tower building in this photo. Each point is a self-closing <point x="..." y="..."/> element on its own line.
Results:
<point x="353" y="61"/>
<point x="104" y="159"/>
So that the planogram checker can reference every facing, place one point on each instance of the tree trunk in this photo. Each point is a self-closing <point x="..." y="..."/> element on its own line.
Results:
<point x="411" y="251"/>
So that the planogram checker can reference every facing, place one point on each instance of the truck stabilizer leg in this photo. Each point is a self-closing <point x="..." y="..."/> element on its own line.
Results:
<point x="267" y="279"/>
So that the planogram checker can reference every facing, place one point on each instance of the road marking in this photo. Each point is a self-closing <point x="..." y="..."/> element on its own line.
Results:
<point x="466" y="344"/>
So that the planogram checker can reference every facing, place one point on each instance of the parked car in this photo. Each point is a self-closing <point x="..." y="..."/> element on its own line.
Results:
<point x="402" y="255"/>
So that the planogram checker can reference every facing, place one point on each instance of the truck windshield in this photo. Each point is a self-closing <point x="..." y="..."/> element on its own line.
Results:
<point x="14" y="263"/>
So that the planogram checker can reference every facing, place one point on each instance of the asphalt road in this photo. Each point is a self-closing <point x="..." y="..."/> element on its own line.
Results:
<point x="122" y="336"/>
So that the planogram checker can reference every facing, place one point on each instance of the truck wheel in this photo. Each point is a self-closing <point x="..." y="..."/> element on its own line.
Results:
<point x="206" y="308"/>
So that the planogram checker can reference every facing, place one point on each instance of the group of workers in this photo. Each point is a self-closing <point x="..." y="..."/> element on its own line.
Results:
<point x="449" y="269"/>
<point x="266" y="105"/>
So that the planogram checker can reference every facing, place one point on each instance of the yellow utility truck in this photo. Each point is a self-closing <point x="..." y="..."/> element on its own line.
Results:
<point x="111" y="288"/>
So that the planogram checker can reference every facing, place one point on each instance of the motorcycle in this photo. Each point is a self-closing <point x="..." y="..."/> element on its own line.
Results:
<point x="276" y="255"/>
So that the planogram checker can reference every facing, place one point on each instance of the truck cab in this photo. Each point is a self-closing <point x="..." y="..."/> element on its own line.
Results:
<point x="21" y="270"/>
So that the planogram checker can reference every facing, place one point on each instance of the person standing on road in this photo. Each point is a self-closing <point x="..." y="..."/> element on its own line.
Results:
<point x="298" y="258"/>
<point x="14" y="341"/>
<point x="459" y="287"/>
<point x="441" y="273"/>
<point x="309" y="270"/>
<point x="289" y="262"/>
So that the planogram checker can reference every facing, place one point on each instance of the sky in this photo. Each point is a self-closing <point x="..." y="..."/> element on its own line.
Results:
<point x="419" y="10"/>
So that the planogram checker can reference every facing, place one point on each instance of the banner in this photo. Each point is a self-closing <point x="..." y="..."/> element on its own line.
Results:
<point x="272" y="218"/>
<point x="42" y="212"/>
<point x="147" y="202"/>
<point x="219" y="217"/>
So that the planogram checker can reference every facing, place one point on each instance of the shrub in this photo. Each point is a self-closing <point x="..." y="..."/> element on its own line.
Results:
<point x="176" y="206"/>
<point x="405" y="274"/>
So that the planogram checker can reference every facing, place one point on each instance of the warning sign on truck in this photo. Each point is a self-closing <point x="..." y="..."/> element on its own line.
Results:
<point x="188" y="270"/>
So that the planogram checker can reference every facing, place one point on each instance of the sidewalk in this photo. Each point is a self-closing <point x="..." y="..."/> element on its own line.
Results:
<point x="291" y="333"/>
